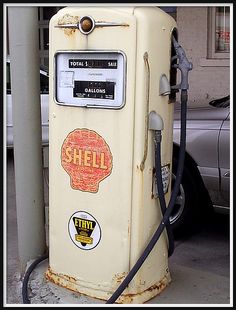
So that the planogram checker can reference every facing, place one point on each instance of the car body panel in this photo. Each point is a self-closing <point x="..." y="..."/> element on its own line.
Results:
<point x="207" y="143"/>
<point x="224" y="142"/>
<point x="45" y="118"/>
<point x="44" y="99"/>
<point x="224" y="159"/>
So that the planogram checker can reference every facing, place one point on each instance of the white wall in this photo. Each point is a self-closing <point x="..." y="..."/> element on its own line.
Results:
<point x="209" y="78"/>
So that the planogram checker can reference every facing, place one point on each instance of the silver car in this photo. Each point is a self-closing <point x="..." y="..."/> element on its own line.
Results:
<point x="44" y="106"/>
<point x="206" y="176"/>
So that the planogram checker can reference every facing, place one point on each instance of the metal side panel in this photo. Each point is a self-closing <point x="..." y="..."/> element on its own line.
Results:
<point x="109" y="201"/>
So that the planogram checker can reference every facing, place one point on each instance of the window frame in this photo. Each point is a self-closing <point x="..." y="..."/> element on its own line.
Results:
<point x="212" y="54"/>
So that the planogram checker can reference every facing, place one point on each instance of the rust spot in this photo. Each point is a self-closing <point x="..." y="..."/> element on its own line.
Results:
<point x="159" y="286"/>
<point x="72" y="284"/>
<point x="69" y="278"/>
<point x="50" y="273"/>
<point x="149" y="292"/>
<point x="65" y="281"/>
<point x="68" y="19"/>
<point x="119" y="277"/>
<point x="127" y="299"/>
<point x="61" y="280"/>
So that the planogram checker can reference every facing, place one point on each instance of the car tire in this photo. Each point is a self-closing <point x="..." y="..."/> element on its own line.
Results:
<point x="184" y="215"/>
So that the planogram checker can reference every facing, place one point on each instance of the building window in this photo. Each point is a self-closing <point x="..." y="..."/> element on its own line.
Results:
<point x="219" y="32"/>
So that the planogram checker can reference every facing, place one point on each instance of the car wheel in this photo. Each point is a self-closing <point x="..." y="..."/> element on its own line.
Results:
<point x="185" y="208"/>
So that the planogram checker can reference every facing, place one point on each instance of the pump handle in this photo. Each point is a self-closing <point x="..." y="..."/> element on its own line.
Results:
<point x="184" y="65"/>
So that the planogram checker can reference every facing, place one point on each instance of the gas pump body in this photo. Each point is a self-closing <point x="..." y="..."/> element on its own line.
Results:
<point x="103" y="207"/>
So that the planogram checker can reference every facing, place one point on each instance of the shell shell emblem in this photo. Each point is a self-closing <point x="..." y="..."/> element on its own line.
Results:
<point x="87" y="159"/>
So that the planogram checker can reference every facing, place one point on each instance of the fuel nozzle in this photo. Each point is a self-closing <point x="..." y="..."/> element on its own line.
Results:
<point x="184" y="65"/>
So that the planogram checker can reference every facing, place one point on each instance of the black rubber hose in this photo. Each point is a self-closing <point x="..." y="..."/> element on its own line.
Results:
<point x="168" y="211"/>
<point x="161" y="194"/>
<point x="27" y="275"/>
<point x="180" y="168"/>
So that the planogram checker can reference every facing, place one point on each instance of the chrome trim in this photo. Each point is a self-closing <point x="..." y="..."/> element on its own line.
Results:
<point x="95" y="24"/>
<point x="72" y="26"/>
<point x="88" y="52"/>
<point x="221" y="209"/>
<point x="110" y="24"/>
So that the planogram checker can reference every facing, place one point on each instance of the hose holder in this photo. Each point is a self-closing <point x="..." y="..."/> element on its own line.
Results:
<point x="156" y="124"/>
<point x="155" y="121"/>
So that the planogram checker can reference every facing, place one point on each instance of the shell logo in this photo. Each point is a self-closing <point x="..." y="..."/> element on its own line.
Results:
<point x="86" y="158"/>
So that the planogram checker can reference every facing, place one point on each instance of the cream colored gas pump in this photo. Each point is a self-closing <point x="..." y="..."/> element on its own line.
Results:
<point x="107" y="67"/>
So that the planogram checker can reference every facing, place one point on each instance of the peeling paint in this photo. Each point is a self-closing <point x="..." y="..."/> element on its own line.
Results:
<point x="119" y="277"/>
<point x="61" y="280"/>
<point x="67" y="282"/>
<point x="142" y="296"/>
<point x="146" y="295"/>
<point x="68" y="19"/>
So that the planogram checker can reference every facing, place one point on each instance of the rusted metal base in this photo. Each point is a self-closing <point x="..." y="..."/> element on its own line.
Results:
<point x="90" y="290"/>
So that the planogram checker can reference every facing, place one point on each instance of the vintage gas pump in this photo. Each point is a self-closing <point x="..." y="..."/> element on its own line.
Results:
<point x="109" y="95"/>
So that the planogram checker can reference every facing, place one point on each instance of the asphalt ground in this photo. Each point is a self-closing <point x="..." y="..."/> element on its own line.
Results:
<point x="200" y="266"/>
